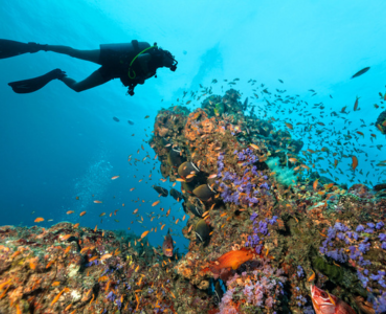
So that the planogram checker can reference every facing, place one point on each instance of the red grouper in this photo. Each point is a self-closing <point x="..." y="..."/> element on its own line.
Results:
<point x="325" y="303"/>
<point x="231" y="259"/>
<point x="167" y="246"/>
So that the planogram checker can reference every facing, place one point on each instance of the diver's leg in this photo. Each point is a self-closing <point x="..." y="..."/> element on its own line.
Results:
<point x="88" y="55"/>
<point x="95" y="79"/>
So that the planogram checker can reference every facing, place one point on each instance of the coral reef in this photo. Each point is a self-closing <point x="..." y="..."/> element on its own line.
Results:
<point x="263" y="225"/>
<point x="71" y="269"/>
<point x="303" y="228"/>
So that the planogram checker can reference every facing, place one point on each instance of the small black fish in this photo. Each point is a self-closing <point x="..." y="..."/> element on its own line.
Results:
<point x="380" y="187"/>
<point x="280" y="81"/>
<point x="184" y="208"/>
<point x="245" y="104"/>
<point x="161" y="190"/>
<point x="115" y="119"/>
<point x="359" y="73"/>
<point x="202" y="232"/>
<point x="176" y="195"/>
<point x="196" y="209"/>
<point x="130" y="122"/>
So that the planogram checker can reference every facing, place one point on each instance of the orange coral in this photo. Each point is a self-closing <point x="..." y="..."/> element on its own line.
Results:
<point x="208" y="125"/>
<point x="163" y="131"/>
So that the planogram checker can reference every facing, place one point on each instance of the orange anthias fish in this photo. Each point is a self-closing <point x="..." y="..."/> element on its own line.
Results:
<point x="356" y="104"/>
<point x="167" y="246"/>
<point x="232" y="259"/>
<point x="325" y="303"/>
<point x="144" y="234"/>
<point x="289" y="125"/>
<point x="354" y="162"/>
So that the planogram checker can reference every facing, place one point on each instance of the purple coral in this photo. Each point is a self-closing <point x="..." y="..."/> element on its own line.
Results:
<point x="254" y="216"/>
<point x="360" y="228"/>
<point x="247" y="156"/>
<point x="254" y="171"/>
<point x="308" y="310"/>
<point x="240" y="188"/>
<point x="362" y="278"/>
<point x="119" y="303"/>
<point x="111" y="296"/>
<point x="255" y="241"/>
<point x="300" y="272"/>
<point x="364" y="247"/>
<point x="379" y="278"/>
<point x="371" y="225"/>
<point x="337" y="255"/>
<point x="382" y="237"/>
<point x="263" y="227"/>
<point x="335" y="247"/>
<point x="220" y="163"/>
<point x="341" y="227"/>
<point x="379" y="303"/>
<point x="94" y="262"/>
<point x="272" y="220"/>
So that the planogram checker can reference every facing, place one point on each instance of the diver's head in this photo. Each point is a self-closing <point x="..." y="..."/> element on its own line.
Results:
<point x="168" y="60"/>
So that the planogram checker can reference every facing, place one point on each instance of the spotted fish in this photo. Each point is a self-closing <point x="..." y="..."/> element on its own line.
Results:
<point x="325" y="303"/>
<point x="167" y="246"/>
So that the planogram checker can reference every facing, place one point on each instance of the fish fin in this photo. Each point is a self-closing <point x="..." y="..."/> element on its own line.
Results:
<point x="316" y="306"/>
<point x="331" y="299"/>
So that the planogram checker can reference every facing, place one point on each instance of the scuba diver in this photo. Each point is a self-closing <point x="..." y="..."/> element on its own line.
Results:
<point x="132" y="63"/>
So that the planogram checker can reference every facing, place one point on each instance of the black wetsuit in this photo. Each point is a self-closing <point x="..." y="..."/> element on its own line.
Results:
<point x="116" y="58"/>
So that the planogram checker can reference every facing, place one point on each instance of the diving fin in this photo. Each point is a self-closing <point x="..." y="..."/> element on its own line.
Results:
<point x="11" y="48"/>
<point x="34" y="84"/>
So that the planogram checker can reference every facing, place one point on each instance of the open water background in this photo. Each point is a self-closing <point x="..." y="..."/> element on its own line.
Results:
<point x="56" y="144"/>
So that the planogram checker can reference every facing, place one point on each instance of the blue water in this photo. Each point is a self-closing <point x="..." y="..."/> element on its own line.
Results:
<point x="56" y="144"/>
